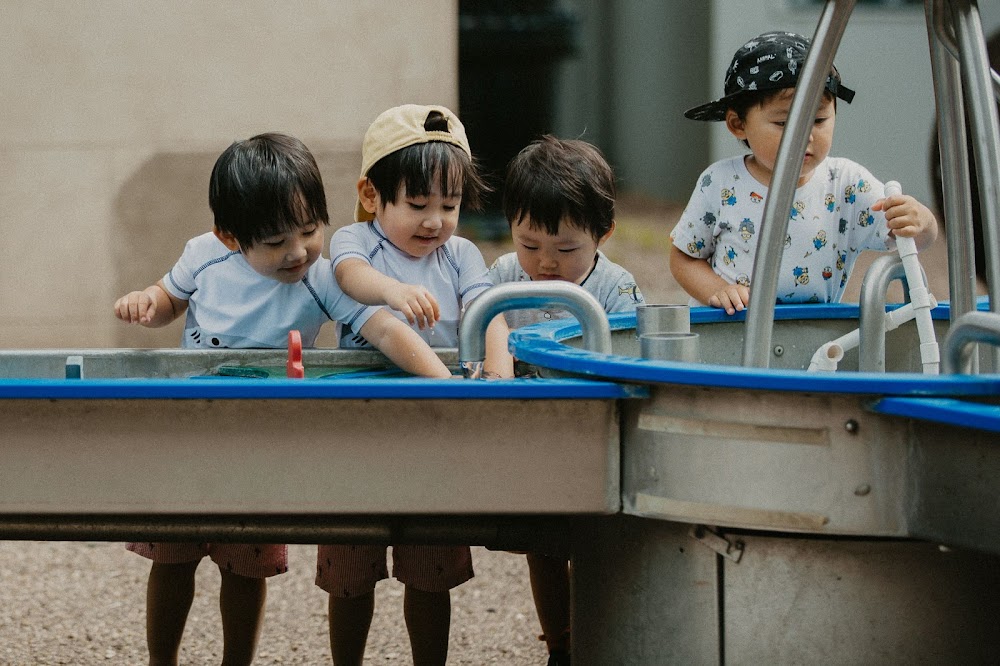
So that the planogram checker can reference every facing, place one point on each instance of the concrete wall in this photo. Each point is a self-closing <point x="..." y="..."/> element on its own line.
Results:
<point x="883" y="56"/>
<point x="115" y="111"/>
<point x="642" y="63"/>
<point x="627" y="89"/>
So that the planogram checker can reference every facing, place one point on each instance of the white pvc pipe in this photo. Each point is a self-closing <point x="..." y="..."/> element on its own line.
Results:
<point x="826" y="358"/>
<point x="920" y="296"/>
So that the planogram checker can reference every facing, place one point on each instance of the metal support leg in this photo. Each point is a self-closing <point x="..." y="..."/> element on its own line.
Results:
<point x="954" y="152"/>
<point x="784" y="180"/>
<point x="976" y="77"/>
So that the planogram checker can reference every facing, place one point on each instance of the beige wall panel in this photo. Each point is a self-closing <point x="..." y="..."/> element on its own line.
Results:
<point x="114" y="113"/>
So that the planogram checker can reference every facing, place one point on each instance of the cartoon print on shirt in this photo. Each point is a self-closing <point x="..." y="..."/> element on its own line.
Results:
<point x="788" y="240"/>
<point x="797" y="209"/>
<point x="706" y="180"/>
<point x="830" y="202"/>
<point x="843" y="225"/>
<point x="630" y="289"/>
<point x="696" y="246"/>
<point x="865" y="218"/>
<point x="728" y="197"/>
<point x="820" y="240"/>
<point x="729" y="256"/>
<point x="801" y="274"/>
<point x="864" y="185"/>
<point x="743" y="279"/>
<point x="849" y="194"/>
<point x="827" y="273"/>
<point x="756" y="198"/>
<point x="708" y="218"/>
<point x="746" y="229"/>
<point x="841" y="260"/>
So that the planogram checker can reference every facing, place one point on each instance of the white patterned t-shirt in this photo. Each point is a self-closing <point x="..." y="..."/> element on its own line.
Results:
<point x="831" y="222"/>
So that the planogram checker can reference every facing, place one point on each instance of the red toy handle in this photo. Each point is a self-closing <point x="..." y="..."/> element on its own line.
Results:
<point x="294" y="366"/>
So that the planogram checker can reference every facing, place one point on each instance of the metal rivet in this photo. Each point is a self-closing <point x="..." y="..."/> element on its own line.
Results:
<point x="862" y="490"/>
<point x="851" y="426"/>
<point x="778" y="350"/>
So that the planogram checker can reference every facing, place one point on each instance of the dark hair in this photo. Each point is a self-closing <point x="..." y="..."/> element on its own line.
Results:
<point x="416" y="166"/>
<point x="742" y="103"/>
<point x="554" y="180"/>
<point x="264" y="186"/>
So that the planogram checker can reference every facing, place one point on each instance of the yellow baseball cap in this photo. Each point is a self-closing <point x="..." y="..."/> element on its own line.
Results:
<point x="403" y="126"/>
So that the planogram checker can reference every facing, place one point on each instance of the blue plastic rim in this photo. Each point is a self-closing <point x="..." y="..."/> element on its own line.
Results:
<point x="541" y="345"/>
<point x="303" y="389"/>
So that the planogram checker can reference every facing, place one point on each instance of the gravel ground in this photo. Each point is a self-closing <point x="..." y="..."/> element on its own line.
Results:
<point x="83" y="603"/>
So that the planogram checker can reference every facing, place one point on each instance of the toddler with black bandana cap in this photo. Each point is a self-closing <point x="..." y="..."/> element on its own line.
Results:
<point x="839" y="208"/>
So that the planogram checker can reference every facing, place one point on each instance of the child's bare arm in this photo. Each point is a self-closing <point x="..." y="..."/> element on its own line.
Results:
<point x="152" y="307"/>
<point x="403" y="346"/>
<point x="499" y="362"/>
<point x="908" y="218"/>
<point x="365" y="284"/>
<point x="698" y="279"/>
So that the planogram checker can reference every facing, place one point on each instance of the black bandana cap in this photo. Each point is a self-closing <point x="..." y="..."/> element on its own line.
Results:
<point x="771" y="61"/>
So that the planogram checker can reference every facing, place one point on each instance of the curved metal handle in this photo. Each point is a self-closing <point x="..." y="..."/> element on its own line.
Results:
<point x="532" y="295"/>
<point x="967" y="329"/>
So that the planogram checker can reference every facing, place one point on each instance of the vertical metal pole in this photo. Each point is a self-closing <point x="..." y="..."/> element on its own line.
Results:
<point x="954" y="153"/>
<point x="784" y="180"/>
<point x="985" y="133"/>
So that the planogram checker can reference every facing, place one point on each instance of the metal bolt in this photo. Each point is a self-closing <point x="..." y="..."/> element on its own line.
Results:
<point x="778" y="350"/>
<point x="851" y="426"/>
<point x="862" y="490"/>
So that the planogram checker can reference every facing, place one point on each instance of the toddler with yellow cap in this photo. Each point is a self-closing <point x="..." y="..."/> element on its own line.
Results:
<point x="417" y="172"/>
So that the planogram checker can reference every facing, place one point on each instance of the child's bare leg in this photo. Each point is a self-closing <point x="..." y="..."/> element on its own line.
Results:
<point x="169" y="594"/>
<point x="428" y="621"/>
<point x="550" y="589"/>
<point x="350" y="619"/>
<point x="241" y="601"/>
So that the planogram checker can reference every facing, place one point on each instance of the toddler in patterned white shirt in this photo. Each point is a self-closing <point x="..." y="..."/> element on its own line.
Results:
<point x="839" y="208"/>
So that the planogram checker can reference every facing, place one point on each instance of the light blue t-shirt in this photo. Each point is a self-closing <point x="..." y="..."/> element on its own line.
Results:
<point x="830" y="223"/>
<point x="455" y="274"/>
<point x="230" y="305"/>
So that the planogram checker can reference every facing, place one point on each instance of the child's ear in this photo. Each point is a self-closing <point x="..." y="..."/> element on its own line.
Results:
<point x="735" y="125"/>
<point x="606" y="236"/>
<point x="367" y="195"/>
<point x="227" y="239"/>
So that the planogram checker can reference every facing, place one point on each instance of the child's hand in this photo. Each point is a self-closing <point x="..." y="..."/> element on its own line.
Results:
<point x="416" y="303"/>
<point x="136" y="307"/>
<point x="731" y="298"/>
<point x="908" y="218"/>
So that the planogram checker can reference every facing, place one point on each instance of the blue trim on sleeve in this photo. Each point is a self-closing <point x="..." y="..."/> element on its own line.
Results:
<point x="348" y="254"/>
<point x="478" y="285"/>
<point x="451" y="259"/>
<point x="319" y="302"/>
<point x="350" y="323"/>
<point x="217" y="260"/>
<point x="170" y="276"/>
